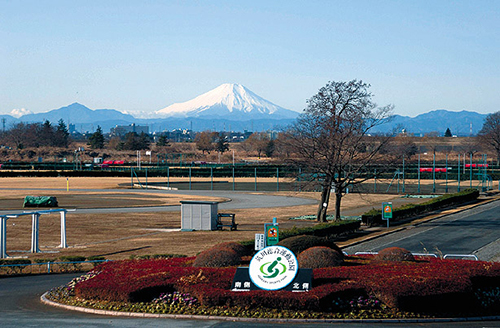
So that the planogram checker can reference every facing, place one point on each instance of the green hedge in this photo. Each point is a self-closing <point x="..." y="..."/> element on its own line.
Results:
<point x="374" y="216"/>
<point x="320" y="230"/>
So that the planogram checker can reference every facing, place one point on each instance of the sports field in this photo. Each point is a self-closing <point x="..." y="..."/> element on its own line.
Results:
<point x="120" y="235"/>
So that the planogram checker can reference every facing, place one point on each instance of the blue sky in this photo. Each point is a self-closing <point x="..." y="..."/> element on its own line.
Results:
<point x="146" y="55"/>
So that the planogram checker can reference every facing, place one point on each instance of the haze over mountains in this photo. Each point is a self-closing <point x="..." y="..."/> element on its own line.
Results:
<point x="232" y="107"/>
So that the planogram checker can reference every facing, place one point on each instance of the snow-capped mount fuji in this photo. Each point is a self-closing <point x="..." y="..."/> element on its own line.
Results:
<point x="228" y="101"/>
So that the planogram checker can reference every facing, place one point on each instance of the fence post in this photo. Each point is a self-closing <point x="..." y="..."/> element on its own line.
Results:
<point x="300" y="172"/>
<point x="233" y="178"/>
<point x="470" y="171"/>
<point x="403" y="173"/>
<point x="168" y="176"/>
<point x="211" y="178"/>
<point x="3" y="237"/>
<point x="434" y="173"/>
<point x="63" y="230"/>
<point x="255" y="174"/>
<point x="190" y="178"/>
<point x="458" y="176"/>
<point x="446" y="168"/>
<point x="418" y="173"/>
<point x="277" y="179"/>
<point x="35" y="217"/>
<point x="132" y="177"/>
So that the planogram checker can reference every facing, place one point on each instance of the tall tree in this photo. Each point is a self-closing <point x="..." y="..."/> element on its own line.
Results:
<point x="47" y="134"/>
<point x="221" y="143"/>
<point x="61" y="135"/>
<point x="331" y="138"/>
<point x="203" y="141"/>
<point x="448" y="133"/>
<point x="490" y="133"/>
<point x="96" y="140"/>
<point x="163" y="141"/>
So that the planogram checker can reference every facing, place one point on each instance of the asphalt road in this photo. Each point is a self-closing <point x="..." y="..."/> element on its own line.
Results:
<point x="238" y="200"/>
<point x="474" y="231"/>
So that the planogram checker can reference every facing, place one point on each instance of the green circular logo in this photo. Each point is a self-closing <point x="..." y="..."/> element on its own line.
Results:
<point x="273" y="268"/>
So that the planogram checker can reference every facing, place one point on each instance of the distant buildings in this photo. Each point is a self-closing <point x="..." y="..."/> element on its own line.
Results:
<point x="121" y="130"/>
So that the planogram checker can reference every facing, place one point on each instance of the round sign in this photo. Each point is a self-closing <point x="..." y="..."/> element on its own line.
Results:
<point x="273" y="268"/>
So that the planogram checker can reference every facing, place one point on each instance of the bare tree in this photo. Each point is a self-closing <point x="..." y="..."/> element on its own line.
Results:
<point x="490" y="132"/>
<point x="331" y="138"/>
<point x="204" y="140"/>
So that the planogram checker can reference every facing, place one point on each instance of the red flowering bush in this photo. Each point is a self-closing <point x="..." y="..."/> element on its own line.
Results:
<point x="434" y="285"/>
<point x="320" y="257"/>
<point x="397" y="254"/>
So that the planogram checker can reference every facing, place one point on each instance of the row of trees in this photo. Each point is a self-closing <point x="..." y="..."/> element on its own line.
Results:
<point x="131" y="141"/>
<point x="23" y="135"/>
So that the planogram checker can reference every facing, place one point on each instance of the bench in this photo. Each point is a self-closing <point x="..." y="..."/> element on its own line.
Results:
<point x="220" y="225"/>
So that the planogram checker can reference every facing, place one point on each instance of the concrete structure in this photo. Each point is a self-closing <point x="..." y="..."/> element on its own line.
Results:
<point x="198" y="215"/>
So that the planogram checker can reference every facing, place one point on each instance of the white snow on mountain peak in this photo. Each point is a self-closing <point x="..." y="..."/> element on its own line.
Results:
<point x="227" y="99"/>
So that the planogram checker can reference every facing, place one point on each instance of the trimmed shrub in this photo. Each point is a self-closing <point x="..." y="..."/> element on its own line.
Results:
<point x="299" y="244"/>
<point x="320" y="257"/>
<point x="323" y="229"/>
<point x="217" y="257"/>
<point x="396" y="254"/>
<point x="237" y="247"/>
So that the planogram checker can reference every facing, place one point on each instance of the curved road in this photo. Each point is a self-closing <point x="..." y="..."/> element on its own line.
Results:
<point x="238" y="200"/>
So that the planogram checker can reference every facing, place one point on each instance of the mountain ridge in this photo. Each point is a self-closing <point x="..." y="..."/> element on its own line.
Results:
<point x="230" y="101"/>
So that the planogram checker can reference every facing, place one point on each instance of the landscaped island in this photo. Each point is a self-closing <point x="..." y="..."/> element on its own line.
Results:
<point x="392" y="284"/>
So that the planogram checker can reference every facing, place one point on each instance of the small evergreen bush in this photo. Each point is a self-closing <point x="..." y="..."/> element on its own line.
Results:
<point x="320" y="257"/>
<point x="299" y="244"/>
<point x="396" y="254"/>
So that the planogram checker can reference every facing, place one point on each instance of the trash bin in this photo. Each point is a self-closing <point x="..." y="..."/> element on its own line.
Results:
<point x="198" y="215"/>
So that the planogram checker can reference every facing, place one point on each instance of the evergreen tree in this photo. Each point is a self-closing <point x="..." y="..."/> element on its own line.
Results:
<point x="448" y="133"/>
<point x="96" y="140"/>
<point x="61" y="136"/>
<point x="221" y="144"/>
<point x="46" y="135"/>
<point x="163" y="141"/>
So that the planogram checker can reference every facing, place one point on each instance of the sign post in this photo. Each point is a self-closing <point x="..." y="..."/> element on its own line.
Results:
<point x="260" y="241"/>
<point x="387" y="212"/>
<point x="272" y="233"/>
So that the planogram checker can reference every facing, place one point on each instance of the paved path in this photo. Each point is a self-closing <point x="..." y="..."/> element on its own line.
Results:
<point x="473" y="231"/>
<point x="238" y="200"/>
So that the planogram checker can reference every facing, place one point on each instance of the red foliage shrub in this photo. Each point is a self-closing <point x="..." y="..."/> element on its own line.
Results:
<point x="217" y="257"/>
<point x="320" y="257"/>
<point x="426" y="286"/>
<point x="394" y="254"/>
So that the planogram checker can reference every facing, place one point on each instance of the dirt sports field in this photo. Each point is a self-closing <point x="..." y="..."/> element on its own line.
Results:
<point x="120" y="235"/>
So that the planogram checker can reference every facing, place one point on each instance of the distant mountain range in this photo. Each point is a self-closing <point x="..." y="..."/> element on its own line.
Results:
<point x="462" y="123"/>
<point x="232" y="107"/>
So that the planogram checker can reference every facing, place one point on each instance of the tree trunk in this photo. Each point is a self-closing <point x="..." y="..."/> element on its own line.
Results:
<point x="323" y="204"/>
<point x="338" y="199"/>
